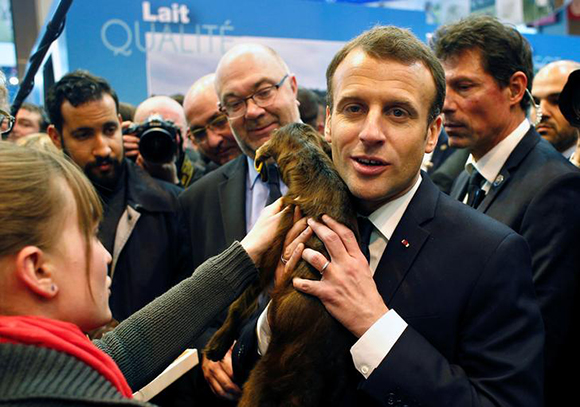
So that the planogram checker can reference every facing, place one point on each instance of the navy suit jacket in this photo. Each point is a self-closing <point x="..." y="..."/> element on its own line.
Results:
<point x="214" y="210"/>
<point x="463" y="284"/>
<point x="441" y="152"/>
<point x="537" y="194"/>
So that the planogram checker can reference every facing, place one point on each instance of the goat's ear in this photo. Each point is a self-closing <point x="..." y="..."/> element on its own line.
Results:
<point x="260" y="165"/>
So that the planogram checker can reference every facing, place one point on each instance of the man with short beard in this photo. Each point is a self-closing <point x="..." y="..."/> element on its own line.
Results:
<point x="552" y="125"/>
<point x="140" y="223"/>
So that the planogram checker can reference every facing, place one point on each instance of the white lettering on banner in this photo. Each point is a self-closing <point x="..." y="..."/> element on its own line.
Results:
<point x="177" y="13"/>
<point x="168" y="37"/>
<point x="210" y="38"/>
<point x="123" y="49"/>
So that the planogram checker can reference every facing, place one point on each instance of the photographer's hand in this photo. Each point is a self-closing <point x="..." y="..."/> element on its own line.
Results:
<point x="130" y="142"/>
<point x="166" y="172"/>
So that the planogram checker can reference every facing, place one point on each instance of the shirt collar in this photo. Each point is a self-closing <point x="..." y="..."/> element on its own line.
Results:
<point x="568" y="153"/>
<point x="388" y="216"/>
<point x="492" y="162"/>
<point x="253" y="174"/>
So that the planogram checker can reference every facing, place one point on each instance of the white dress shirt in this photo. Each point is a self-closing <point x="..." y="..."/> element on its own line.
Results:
<point x="569" y="152"/>
<point x="257" y="193"/>
<point x="490" y="165"/>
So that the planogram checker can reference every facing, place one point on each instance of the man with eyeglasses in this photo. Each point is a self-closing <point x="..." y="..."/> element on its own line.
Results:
<point x="257" y="93"/>
<point x="6" y="119"/>
<point x="6" y="122"/>
<point x="209" y="129"/>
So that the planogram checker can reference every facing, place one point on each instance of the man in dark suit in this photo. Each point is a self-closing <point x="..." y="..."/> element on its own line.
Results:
<point x="515" y="176"/>
<point x="444" y="311"/>
<point x="258" y="94"/>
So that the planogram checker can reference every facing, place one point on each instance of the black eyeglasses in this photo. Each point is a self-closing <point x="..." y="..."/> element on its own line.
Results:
<point x="235" y="108"/>
<point x="199" y="134"/>
<point x="6" y="121"/>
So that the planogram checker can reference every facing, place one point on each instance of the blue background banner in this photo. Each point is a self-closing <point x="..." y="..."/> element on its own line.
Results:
<point x="133" y="43"/>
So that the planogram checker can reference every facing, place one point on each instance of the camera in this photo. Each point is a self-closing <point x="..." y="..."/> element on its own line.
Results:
<point x="159" y="140"/>
<point x="570" y="99"/>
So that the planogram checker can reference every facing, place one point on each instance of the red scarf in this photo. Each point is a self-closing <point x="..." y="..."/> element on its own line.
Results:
<point x="63" y="337"/>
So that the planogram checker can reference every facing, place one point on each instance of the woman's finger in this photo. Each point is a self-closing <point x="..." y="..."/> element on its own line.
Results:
<point x="346" y="235"/>
<point x="332" y="241"/>
<point x="294" y="258"/>
<point x="316" y="260"/>
<point x="298" y="233"/>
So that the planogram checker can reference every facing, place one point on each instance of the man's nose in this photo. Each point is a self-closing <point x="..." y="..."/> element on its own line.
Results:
<point x="101" y="146"/>
<point x="214" y="139"/>
<point x="449" y="104"/>
<point x="252" y="109"/>
<point x="372" y="131"/>
<point x="545" y="108"/>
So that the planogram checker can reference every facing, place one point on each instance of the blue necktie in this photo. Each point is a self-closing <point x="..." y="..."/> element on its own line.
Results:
<point x="273" y="184"/>
<point x="474" y="192"/>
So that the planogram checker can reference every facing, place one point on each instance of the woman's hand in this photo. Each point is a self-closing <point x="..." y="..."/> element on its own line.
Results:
<point x="294" y="242"/>
<point x="260" y="238"/>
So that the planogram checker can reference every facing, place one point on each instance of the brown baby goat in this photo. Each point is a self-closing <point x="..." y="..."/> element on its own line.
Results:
<point x="307" y="359"/>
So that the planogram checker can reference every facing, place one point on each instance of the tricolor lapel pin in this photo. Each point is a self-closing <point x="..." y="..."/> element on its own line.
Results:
<point x="405" y="243"/>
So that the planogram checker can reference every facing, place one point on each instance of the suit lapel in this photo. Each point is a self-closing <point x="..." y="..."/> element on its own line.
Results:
<point x="232" y="197"/>
<point x="526" y="144"/>
<point x="407" y="240"/>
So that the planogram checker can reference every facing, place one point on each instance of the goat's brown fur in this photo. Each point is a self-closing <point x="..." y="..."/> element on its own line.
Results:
<point x="307" y="358"/>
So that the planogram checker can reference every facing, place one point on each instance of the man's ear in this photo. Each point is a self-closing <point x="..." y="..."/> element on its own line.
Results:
<point x="35" y="272"/>
<point x="293" y="84"/>
<point x="517" y="87"/>
<point x="433" y="134"/>
<point x="327" y="135"/>
<point x="54" y="135"/>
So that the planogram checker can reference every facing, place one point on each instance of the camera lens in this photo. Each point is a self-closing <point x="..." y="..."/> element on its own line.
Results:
<point x="157" y="145"/>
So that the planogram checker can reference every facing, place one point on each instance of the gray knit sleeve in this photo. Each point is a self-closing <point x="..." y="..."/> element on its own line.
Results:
<point x="145" y="343"/>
